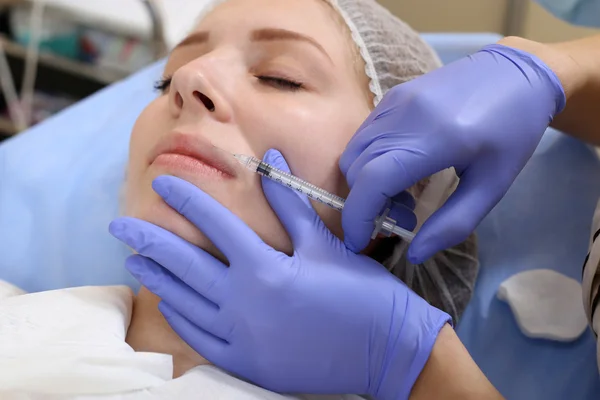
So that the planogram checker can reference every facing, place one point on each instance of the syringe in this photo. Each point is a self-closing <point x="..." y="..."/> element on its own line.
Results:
<point x="383" y="224"/>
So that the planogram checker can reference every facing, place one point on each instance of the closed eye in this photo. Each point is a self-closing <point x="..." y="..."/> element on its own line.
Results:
<point x="281" y="83"/>
<point x="163" y="84"/>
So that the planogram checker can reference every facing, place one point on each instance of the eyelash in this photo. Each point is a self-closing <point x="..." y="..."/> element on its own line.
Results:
<point x="281" y="83"/>
<point x="163" y="84"/>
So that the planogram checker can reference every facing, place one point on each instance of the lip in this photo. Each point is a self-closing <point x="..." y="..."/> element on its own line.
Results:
<point x="195" y="147"/>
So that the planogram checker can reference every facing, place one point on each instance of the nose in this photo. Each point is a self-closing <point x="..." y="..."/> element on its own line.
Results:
<point x="194" y="93"/>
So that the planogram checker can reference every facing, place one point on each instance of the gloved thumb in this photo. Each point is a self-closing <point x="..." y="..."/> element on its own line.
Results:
<point x="452" y="224"/>
<point x="293" y="209"/>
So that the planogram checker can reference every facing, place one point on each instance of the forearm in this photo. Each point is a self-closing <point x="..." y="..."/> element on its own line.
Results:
<point x="450" y="373"/>
<point x="577" y="65"/>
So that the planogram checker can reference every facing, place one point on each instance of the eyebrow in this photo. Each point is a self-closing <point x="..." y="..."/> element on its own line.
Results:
<point x="260" y="35"/>
<point x="271" y="34"/>
<point x="194" y="38"/>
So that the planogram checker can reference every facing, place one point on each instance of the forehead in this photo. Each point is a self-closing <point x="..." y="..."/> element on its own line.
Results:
<point x="313" y="18"/>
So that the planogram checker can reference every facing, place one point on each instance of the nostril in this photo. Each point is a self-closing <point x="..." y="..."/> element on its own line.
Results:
<point x="178" y="100"/>
<point x="210" y="106"/>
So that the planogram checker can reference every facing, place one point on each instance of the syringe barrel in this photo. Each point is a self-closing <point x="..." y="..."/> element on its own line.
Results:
<point x="306" y="188"/>
<point x="383" y="224"/>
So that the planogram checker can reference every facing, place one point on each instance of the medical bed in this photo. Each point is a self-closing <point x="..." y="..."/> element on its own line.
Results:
<point x="60" y="181"/>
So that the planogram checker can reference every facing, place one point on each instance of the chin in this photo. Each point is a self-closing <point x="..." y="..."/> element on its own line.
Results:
<point x="159" y="213"/>
<point x="250" y="205"/>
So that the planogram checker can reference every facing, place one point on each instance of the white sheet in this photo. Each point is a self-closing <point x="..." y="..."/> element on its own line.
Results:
<point x="70" y="344"/>
<point x="73" y="341"/>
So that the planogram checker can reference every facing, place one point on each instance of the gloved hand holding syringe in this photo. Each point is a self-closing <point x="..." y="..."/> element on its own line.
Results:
<point x="383" y="224"/>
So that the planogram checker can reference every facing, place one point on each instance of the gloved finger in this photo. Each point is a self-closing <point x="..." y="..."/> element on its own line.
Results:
<point x="212" y="348"/>
<point x="372" y="151"/>
<point x="293" y="209"/>
<point x="477" y="193"/>
<point x="365" y="135"/>
<point x="379" y="180"/>
<point x="194" y="307"/>
<point x="212" y="218"/>
<point x="402" y="208"/>
<point x="405" y="199"/>
<point x="192" y="265"/>
<point x="419" y="163"/>
<point x="350" y="155"/>
<point x="404" y="216"/>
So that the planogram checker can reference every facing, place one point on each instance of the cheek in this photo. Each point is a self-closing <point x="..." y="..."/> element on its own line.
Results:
<point x="150" y="125"/>
<point x="310" y="131"/>
<point x="312" y="142"/>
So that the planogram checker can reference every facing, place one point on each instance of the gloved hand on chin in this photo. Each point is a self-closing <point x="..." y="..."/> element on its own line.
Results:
<point x="324" y="320"/>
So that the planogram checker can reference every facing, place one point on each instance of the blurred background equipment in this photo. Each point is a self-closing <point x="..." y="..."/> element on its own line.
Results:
<point x="53" y="53"/>
<point x="524" y="18"/>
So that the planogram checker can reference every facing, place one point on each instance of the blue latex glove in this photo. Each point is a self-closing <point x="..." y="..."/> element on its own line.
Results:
<point x="484" y="115"/>
<point x="324" y="320"/>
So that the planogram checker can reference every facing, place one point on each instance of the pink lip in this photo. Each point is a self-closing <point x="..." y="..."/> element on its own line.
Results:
<point x="193" y="154"/>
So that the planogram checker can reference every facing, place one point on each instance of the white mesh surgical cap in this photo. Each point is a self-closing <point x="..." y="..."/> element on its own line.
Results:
<point x="392" y="51"/>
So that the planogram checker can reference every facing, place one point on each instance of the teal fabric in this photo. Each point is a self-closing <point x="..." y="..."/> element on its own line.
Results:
<point x="577" y="12"/>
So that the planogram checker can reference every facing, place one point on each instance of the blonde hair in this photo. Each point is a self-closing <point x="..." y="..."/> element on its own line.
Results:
<point x="358" y="61"/>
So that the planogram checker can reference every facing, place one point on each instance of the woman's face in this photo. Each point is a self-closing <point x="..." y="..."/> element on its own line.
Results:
<point x="254" y="75"/>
